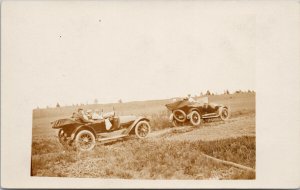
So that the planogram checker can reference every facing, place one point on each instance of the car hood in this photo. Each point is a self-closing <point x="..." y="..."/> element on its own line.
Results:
<point x="128" y="118"/>
<point x="63" y="122"/>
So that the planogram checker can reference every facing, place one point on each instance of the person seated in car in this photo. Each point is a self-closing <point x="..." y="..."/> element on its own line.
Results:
<point x="100" y="117"/>
<point x="81" y="116"/>
<point x="190" y="99"/>
<point x="97" y="115"/>
<point x="89" y="113"/>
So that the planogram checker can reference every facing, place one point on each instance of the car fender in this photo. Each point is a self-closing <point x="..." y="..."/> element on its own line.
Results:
<point x="136" y="122"/>
<point x="227" y="107"/>
<point x="82" y="127"/>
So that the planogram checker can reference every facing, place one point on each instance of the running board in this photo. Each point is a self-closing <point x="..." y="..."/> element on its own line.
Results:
<point x="111" y="138"/>
<point x="112" y="133"/>
<point x="210" y="115"/>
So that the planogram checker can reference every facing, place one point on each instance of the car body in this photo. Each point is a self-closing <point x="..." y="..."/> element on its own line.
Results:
<point x="83" y="135"/>
<point x="185" y="111"/>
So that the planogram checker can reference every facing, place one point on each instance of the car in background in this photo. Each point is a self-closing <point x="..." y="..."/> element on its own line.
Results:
<point x="186" y="111"/>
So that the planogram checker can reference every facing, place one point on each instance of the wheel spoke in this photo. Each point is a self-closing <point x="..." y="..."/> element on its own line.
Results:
<point x="85" y="141"/>
<point x="142" y="130"/>
<point x="195" y="118"/>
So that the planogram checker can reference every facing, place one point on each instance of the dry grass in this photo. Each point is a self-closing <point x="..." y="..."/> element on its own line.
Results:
<point x="146" y="159"/>
<point x="160" y="120"/>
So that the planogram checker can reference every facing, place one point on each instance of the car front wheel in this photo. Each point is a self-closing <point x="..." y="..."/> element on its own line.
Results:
<point x="85" y="140"/>
<point x="179" y="115"/>
<point x="195" y="118"/>
<point x="142" y="129"/>
<point x="224" y="113"/>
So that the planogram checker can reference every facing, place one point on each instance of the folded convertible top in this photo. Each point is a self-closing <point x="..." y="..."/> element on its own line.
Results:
<point x="178" y="104"/>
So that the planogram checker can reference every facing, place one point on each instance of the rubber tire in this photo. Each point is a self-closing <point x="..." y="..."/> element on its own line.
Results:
<point x="182" y="112"/>
<point x="221" y="110"/>
<point x="84" y="132"/>
<point x="61" y="136"/>
<point x="195" y="123"/>
<point x="136" y="130"/>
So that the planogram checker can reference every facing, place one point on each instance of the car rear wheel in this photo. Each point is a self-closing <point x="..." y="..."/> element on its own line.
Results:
<point x="62" y="137"/>
<point x="142" y="129"/>
<point x="224" y="113"/>
<point x="85" y="140"/>
<point x="195" y="118"/>
<point x="179" y="115"/>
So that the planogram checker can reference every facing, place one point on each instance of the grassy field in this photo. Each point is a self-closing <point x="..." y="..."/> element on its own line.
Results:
<point x="169" y="156"/>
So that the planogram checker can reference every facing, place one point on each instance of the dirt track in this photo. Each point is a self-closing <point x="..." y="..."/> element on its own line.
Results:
<point x="234" y="127"/>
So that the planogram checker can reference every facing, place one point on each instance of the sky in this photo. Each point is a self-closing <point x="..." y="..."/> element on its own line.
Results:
<point x="73" y="53"/>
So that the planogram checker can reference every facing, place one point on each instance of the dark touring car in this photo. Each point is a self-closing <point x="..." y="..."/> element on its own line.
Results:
<point x="185" y="112"/>
<point x="83" y="135"/>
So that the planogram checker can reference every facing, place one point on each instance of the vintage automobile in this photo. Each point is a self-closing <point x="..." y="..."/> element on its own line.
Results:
<point x="82" y="136"/>
<point x="185" y="112"/>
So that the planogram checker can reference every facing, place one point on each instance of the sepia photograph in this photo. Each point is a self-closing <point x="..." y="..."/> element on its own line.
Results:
<point x="156" y="139"/>
<point x="149" y="94"/>
<point x="130" y="94"/>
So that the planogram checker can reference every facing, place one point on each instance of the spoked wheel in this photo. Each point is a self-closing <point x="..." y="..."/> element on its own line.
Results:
<point x="195" y="118"/>
<point x="142" y="129"/>
<point x="62" y="138"/>
<point x="64" y="141"/>
<point x="224" y="113"/>
<point x="179" y="115"/>
<point x="85" y="140"/>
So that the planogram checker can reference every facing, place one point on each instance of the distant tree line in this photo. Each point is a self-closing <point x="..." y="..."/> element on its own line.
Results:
<point x="207" y="93"/>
